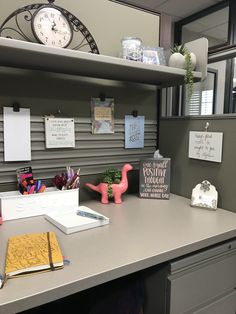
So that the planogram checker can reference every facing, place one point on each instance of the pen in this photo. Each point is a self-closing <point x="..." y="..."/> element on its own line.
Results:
<point x="90" y="215"/>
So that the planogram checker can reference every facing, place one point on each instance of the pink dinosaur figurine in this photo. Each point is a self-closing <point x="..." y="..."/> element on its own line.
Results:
<point x="117" y="189"/>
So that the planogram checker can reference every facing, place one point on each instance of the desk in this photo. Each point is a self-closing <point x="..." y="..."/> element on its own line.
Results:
<point x="141" y="233"/>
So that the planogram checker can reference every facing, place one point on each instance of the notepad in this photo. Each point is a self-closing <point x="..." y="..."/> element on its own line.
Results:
<point x="34" y="252"/>
<point x="70" y="222"/>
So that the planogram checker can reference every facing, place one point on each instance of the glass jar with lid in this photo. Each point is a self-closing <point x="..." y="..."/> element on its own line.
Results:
<point x="131" y="48"/>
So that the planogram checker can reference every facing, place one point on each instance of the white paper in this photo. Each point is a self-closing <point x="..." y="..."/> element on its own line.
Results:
<point x="205" y="146"/>
<point x="134" y="131"/>
<point x="17" y="140"/>
<point x="59" y="132"/>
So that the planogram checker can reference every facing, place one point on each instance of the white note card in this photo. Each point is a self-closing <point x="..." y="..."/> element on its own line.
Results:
<point x="134" y="131"/>
<point x="59" y="132"/>
<point x="17" y="140"/>
<point x="205" y="146"/>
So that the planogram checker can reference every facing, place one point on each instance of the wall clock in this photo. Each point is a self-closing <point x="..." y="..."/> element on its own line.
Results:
<point x="48" y="24"/>
<point x="51" y="27"/>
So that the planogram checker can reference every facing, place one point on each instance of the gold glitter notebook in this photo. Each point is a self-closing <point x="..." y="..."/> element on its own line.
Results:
<point x="30" y="253"/>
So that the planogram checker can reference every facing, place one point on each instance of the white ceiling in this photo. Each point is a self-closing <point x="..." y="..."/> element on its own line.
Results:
<point x="178" y="9"/>
<point x="214" y="25"/>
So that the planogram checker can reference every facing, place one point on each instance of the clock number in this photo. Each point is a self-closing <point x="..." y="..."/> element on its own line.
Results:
<point x="53" y="42"/>
<point x="39" y="26"/>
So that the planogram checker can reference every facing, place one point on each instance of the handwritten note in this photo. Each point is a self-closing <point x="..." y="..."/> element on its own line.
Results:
<point x="154" y="178"/>
<point x="59" y="132"/>
<point x="205" y="146"/>
<point x="134" y="131"/>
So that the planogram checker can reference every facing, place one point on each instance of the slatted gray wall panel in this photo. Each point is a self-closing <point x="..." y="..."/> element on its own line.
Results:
<point x="92" y="153"/>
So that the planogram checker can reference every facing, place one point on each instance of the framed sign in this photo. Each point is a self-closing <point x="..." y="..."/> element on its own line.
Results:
<point x="205" y="146"/>
<point x="59" y="132"/>
<point x="154" y="178"/>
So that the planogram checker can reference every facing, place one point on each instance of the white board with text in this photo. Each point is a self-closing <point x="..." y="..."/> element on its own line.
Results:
<point x="205" y="146"/>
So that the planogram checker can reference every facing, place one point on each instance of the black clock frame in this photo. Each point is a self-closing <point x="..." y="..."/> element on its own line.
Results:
<point x="29" y="10"/>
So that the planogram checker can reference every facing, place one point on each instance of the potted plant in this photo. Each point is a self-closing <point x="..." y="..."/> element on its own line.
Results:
<point x="113" y="184"/>
<point x="109" y="176"/>
<point x="182" y="58"/>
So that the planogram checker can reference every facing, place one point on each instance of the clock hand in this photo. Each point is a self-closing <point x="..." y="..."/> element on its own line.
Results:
<point x="59" y="31"/>
<point x="53" y="26"/>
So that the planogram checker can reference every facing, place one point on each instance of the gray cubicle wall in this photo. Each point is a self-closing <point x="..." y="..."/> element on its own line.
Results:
<point x="45" y="93"/>
<point x="185" y="172"/>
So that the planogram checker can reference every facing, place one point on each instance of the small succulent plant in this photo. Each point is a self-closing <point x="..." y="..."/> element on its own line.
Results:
<point x="110" y="176"/>
<point x="188" y="79"/>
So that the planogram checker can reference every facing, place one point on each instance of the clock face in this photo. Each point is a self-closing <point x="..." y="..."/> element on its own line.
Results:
<point x="51" y="27"/>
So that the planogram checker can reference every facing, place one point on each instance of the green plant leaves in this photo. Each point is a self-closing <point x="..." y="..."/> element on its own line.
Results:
<point x="188" y="79"/>
<point x="109" y="176"/>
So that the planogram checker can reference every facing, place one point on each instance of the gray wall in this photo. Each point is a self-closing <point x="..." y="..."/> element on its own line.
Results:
<point x="107" y="21"/>
<point x="44" y="93"/>
<point x="185" y="172"/>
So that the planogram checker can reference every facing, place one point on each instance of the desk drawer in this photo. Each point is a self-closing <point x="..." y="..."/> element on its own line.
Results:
<point x="197" y="285"/>
<point x="226" y="305"/>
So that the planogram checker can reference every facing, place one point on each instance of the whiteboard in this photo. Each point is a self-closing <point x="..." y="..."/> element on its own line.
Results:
<point x="17" y="139"/>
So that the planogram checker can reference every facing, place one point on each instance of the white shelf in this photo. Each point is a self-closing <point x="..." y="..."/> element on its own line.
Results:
<point x="25" y="55"/>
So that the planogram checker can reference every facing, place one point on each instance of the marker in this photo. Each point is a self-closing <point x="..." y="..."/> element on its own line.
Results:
<point x="90" y="215"/>
<point x="38" y="185"/>
<point x="42" y="188"/>
<point x="31" y="190"/>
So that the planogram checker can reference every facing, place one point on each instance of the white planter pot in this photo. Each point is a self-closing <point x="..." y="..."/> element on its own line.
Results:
<point x="177" y="60"/>
<point x="194" y="60"/>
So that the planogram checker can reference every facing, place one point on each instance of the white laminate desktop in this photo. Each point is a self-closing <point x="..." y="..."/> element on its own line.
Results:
<point x="141" y="233"/>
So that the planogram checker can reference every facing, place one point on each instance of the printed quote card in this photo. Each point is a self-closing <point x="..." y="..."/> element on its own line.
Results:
<point x="59" y="132"/>
<point x="205" y="146"/>
<point x="134" y="131"/>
